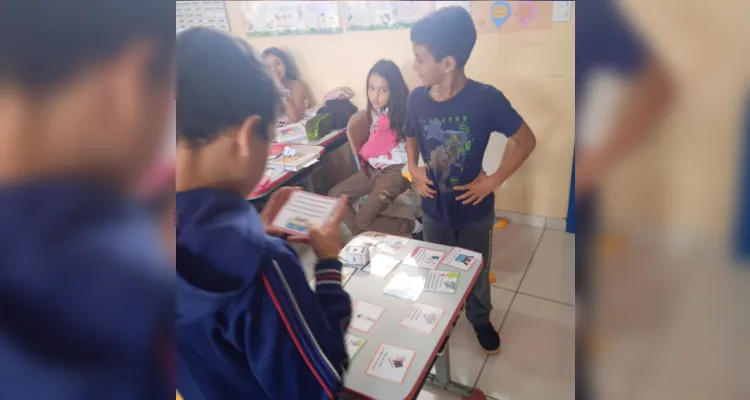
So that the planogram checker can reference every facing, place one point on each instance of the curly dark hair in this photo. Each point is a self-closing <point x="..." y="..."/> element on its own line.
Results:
<point x="389" y="71"/>
<point x="292" y="73"/>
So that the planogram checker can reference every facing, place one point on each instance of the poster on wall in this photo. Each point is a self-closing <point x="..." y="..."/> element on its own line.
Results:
<point x="278" y="18"/>
<point x="376" y="15"/>
<point x="210" y="14"/>
<point x="511" y="16"/>
<point x="466" y="5"/>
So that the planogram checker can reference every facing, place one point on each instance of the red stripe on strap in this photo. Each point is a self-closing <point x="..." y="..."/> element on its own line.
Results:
<point x="291" y="333"/>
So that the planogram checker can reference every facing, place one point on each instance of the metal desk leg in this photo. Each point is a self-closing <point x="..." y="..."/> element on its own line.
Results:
<point x="442" y="378"/>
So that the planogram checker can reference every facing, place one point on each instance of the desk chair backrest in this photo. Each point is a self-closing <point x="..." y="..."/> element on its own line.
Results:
<point x="357" y="133"/>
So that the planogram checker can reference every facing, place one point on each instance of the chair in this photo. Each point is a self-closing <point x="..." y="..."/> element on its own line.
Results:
<point x="357" y="133"/>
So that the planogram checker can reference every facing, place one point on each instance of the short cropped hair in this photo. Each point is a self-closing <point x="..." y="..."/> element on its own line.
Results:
<point x="446" y="32"/>
<point x="220" y="83"/>
<point x="46" y="43"/>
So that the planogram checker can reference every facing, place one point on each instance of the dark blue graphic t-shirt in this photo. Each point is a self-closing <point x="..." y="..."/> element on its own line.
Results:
<point x="453" y="136"/>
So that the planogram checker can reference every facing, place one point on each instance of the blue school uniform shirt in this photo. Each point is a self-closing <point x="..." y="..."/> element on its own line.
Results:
<point x="248" y="325"/>
<point x="87" y="296"/>
<point x="453" y="136"/>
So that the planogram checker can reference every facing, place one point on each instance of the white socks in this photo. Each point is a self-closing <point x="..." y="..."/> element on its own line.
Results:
<point x="417" y="227"/>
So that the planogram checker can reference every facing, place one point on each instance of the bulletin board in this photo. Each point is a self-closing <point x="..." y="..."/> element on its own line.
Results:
<point x="211" y="14"/>
<point x="279" y="18"/>
<point x="377" y="15"/>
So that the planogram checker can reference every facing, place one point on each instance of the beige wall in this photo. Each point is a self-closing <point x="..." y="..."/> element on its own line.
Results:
<point x="685" y="177"/>
<point x="534" y="69"/>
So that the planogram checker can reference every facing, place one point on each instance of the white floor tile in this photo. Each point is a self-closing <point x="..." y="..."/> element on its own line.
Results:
<point x="538" y="359"/>
<point x="467" y="357"/>
<point x="512" y="249"/>
<point x="551" y="274"/>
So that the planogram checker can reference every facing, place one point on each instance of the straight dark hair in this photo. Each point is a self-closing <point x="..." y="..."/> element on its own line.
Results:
<point x="389" y="71"/>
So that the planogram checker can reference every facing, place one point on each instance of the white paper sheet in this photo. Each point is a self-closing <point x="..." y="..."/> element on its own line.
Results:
<point x="392" y="244"/>
<point x="424" y="258"/>
<point x="462" y="259"/>
<point x="405" y="286"/>
<point x="562" y="11"/>
<point x="390" y="363"/>
<point x="364" y="315"/>
<point x="381" y="265"/>
<point x="442" y="281"/>
<point x="422" y="318"/>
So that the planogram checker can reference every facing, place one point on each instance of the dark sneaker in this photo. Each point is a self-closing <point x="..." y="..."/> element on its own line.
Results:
<point x="488" y="338"/>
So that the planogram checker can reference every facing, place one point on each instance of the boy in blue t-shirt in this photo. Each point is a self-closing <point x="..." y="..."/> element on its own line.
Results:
<point x="449" y="121"/>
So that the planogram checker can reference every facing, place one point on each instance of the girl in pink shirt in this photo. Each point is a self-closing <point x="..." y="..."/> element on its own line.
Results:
<point x="376" y="137"/>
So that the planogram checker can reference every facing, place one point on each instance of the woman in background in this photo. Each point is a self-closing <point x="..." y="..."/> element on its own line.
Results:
<point x="295" y="94"/>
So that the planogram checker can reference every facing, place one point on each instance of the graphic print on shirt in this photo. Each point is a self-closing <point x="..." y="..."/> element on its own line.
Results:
<point x="450" y="140"/>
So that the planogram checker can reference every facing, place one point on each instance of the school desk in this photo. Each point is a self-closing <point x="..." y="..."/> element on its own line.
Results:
<point x="329" y="142"/>
<point x="431" y="349"/>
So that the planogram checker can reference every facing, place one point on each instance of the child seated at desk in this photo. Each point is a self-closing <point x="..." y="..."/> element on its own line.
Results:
<point x="248" y="326"/>
<point x="382" y="156"/>
<point x="295" y="94"/>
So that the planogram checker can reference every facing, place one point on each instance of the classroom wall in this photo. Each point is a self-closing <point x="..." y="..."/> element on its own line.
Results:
<point x="534" y="69"/>
<point x="685" y="177"/>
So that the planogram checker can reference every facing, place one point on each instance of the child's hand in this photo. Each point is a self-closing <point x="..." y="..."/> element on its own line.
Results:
<point x="326" y="241"/>
<point x="477" y="190"/>
<point x="272" y="207"/>
<point x="424" y="184"/>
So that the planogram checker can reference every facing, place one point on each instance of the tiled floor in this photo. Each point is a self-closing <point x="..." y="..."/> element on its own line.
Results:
<point x="535" y="313"/>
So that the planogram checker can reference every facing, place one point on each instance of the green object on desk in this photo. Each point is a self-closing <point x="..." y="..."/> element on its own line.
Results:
<point x="318" y="126"/>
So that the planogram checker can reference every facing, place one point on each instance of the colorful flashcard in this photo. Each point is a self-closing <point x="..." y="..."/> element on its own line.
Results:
<point x="364" y="316"/>
<point x="422" y="318"/>
<point x="424" y="258"/>
<point x="390" y="363"/>
<point x="304" y="211"/>
<point x="405" y="286"/>
<point x="392" y="244"/>
<point x="381" y="265"/>
<point x="462" y="259"/>
<point x="353" y="345"/>
<point x="442" y="281"/>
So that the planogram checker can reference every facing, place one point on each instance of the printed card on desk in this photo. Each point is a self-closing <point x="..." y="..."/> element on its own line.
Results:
<point x="442" y="282"/>
<point x="424" y="258"/>
<point x="392" y="244"/>
<point x="364" y="315"/>
<point x="366" y="239"/>
<point x="405" y="286"/>
<point x="462" y="259"/>
<point x="353" y="345"/>
<point x="303" y="211"/>
<point x="422" y="318"/>
<point x="390" y="363"/>
<point x="381" y="265"/>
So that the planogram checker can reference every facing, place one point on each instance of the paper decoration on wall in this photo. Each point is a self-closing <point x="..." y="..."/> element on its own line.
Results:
<point x="466" y="5"/>
<point x="510" y="16"/>
<point x="375" y="15"/>
<point x="211" y="14"/>
<point x="562" y="11"/>
<point x="277" y="18"/>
